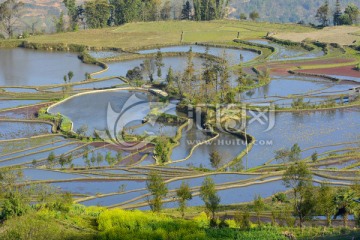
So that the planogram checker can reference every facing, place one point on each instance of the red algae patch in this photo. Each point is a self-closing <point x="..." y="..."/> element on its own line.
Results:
<point x="340" y="71"/>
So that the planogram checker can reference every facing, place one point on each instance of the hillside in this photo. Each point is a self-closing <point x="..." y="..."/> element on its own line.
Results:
<point x="284" y="10"/>
<point x="39" y="14"/>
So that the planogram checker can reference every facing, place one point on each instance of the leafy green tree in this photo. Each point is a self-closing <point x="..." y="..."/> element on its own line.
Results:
<point x="158" y="190"/>
<point x="259" y="207"/>
<point x="51" y="158"/>
<point x="323" y="13"/>
<point x="345" y="19"/>
<point x="70" y="75"/>
<point x="60" y="23"/>
<point x="135" y="74"/>
<point x="197" y="11"/>
<point x="87" y="76"/>
<point x="62" y="160"/>
<point x="183" y="194"/>
<point x="286" y="155"/>
<point x="298" y="177"/>
<point x="357" y="67"/>
<point x="243" y="220"/>
<point x="15" y="204"/>
<point x="126" y="11"/>
<point x="210" y="197"/>
<point x="97" y="13"/>
<point x="206" y="10"/>
<point x="353" y="12"/>
<point x="215" y="159"/>
<point x="222" y="69"/>
<point x="243" y="16"/>
<point x="189" y="72"/>
<point x="314" y="156"/>
<point x="159" y="63"/>
<point x="295" y="153"/>
<point x="108" y="158"/>
<point x="325" y="202"/>
<point x="280" y="197"/>
<point x="282" y="154"/>
<point x="161" y="150"/>
<point x="10" y="14"/>
<point x="69" y="159"/>
<point x="345" y="204"/>
<point x="170" y="76"/>
<point x="99" y="158"/>
<point x="93" y="159"/>
<point x="254" y="15"/>
<point x="119" y="156"/>
<point x="14" y="198"/>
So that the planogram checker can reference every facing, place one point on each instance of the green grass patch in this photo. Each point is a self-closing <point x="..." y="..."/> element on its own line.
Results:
<point x="138" y="35"/>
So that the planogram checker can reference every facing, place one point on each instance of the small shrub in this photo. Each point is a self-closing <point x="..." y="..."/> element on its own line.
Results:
<point x="357" y="68"/>
<point x="202" y="220"/>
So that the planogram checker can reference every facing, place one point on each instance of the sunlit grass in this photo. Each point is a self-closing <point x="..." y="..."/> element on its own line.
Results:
<point x="137" y="35"/>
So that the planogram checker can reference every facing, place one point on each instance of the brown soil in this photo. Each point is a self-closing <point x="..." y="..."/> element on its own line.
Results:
<point x="27" y="112"/>
<point x="342" y="71"/>
<point x="283" y="68"/>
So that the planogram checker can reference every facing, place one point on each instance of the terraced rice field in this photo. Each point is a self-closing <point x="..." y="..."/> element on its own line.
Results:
<point x="109" y="174"/>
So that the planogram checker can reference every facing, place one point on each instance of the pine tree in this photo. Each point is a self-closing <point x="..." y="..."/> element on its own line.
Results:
<point x="186" y="12"/>
<point x="206" y="10"/>
<point x="337" y="13"/>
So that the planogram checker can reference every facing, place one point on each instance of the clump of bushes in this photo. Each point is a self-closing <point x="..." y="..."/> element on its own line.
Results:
<point x="140" y="225"/>
<point x="357" y="67"/>
<point x="291" y="43"/>
<point x="299" y="103"/>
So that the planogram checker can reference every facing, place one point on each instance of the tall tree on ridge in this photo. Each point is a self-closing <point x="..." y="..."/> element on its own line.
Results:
<point x="9" y="15"/>
<point x="158" y="189"/>
<point x="186" y="12"/>
<point x="72" y="12"/>
<point x="322" y="14"/>
<point x="337" y="13"/>
<point x="97" y="13"/>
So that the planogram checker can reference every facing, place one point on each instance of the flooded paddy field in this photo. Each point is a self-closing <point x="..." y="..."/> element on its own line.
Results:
<point x="108" y="175"/>
<point x="24" y="67"/>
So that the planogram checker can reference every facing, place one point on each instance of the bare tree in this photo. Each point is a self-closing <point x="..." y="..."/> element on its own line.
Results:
<point x="10" y="12"/>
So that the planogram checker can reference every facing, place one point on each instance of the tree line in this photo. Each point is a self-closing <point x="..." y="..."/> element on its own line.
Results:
<point x="304" y="201"/>
<point x="338" y="17"/>
<point x="102" y="13"/>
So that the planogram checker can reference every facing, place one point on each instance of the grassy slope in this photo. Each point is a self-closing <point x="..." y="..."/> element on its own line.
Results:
<point x="345" y="35"/>
<point x="137" y="35"/>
